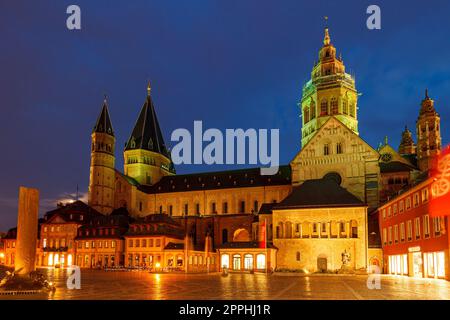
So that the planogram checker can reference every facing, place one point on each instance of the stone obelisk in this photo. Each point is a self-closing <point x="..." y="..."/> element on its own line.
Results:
<point x="27" y="229"/>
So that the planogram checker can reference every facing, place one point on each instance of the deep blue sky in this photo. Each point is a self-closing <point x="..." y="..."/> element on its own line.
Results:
<point x="229" y="63"/>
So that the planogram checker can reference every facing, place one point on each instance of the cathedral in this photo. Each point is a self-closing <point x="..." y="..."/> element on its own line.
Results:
<point x="317" y="214"/>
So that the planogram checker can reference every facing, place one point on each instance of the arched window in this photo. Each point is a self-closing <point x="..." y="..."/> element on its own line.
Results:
<point x="352" y="109"/>
<point x="305" y="115"/>
<point x="324" y="107"/>
<point x="248" y="261"/>
<point x="237" y="262"/>
<point x="312" y="110"/>
<point x="345" y="106"/>
<point x="224" y="236"/>
<point x="334" y="106"/>
<point x="225" y="261"/>
<point x="297" y="256"/>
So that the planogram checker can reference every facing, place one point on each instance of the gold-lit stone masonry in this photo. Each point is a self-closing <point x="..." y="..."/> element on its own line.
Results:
<point x="428" y="134"/>
<point x="330" y="92"/>
<point x="102" y="172"/>
<point x="27" y="228"/>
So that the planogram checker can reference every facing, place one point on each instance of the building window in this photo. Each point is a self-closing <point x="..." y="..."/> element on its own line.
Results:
<point x="140" y="206"/>
<point x="186" y="209"/>
<point x="305" y="115"/>
<point x="384" y="236"/>
<point x="389" y="211"/>
<point x="255" y="206"/>
<point x="394" y="209"/>
<point x="409" y="230"/>
<point x="408" y="203"/>
<point x="224" y="236"/>
<point x="384" y="213"/>
<point x="437" y="226"/>
<point x="113" y="244"/>
<point x="324" y="107"/>
<point x="225" y="207"/>
<point x="86" y="244"/>
<point x="297" y="256"/>
<point x="213" y="208"/>
<point x="237" y="262"/>
<point x="417" y="227"/>
<point x="137" y="243"/>
<point x="390" y="235"/>
<point x="242" y="207"/>
<point x="339" y="148"/>
<point x="170" y="210"/>
<point x="396" y="233"/>
<point x="402" y="232"/>
<point x="426" y="226"/>
<point x="130" y="243"/>
<point x="197" y="208"/>
<point x="401" y="206"/>
<point x="425" y="195"/>
<point x="160" y="209"/>
<point x="352" y="109"/>
<point x="312" y="108"/>
<point x="158" y="243"/>
<point x="326" y="149"/>
<point x="345" y="106"/>
<point x="144" y="243"/>
<point x="416" y="199"/>
<point x="334" y="106"/>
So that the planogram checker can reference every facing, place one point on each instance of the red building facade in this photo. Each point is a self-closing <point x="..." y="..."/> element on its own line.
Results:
<point x="415" y="243"/>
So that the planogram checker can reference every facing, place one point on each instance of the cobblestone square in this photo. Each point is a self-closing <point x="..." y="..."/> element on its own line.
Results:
<point x="101" y="285"/>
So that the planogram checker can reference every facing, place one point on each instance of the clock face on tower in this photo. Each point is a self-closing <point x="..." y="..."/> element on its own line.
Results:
<point x="386" y="157"/>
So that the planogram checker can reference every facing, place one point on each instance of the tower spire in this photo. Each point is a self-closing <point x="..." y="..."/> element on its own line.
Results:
<point x="326" y="40"/>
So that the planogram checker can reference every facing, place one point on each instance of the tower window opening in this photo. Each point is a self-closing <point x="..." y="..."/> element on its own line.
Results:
<point x="339" y="148"/>
<point x="326" y="149"/>
<point x="334" y="106"/>
<point x="324" y="108"/>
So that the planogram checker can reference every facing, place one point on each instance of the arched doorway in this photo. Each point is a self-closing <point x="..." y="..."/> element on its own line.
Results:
<point x="322" y="263"/>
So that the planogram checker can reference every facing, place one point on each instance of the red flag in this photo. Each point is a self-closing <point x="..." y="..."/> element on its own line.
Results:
<point x="262" y="235"/>
<point x="440" y="187"/>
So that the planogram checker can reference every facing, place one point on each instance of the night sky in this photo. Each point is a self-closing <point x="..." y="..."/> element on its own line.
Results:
<point x="231" y="64"/>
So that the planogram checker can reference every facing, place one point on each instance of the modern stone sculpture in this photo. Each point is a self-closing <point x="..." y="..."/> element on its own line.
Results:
<point x="27" y="228"/>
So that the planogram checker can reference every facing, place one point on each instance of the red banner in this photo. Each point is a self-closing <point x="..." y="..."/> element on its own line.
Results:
<point x="440" y="187"/>
<point x="262" y="235"/>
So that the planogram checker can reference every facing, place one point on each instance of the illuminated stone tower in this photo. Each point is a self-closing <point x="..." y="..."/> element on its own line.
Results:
<point x="407" y="145"/>
<point x="330" y="92"/>
<point x="428" y="134"/>
<point x="102" y="173"/>
<point x="146" y="158"/>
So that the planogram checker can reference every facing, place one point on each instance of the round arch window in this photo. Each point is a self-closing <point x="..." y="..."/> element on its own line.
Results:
<point x="334" y="176"/>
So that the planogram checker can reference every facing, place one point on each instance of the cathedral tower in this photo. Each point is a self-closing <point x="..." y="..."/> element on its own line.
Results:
<point x="102" y="172"/>
<point x="146" y="158"/>
<point x="428" y="134"/>
<point x="330" y="92"/>
<point x="407" y="145"/>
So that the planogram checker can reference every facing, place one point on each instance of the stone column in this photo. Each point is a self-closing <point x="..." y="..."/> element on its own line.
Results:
<point x="27" y="228"/>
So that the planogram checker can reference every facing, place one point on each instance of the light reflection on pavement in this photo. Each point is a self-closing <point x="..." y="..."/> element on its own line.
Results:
<point x="100" y="285"/>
